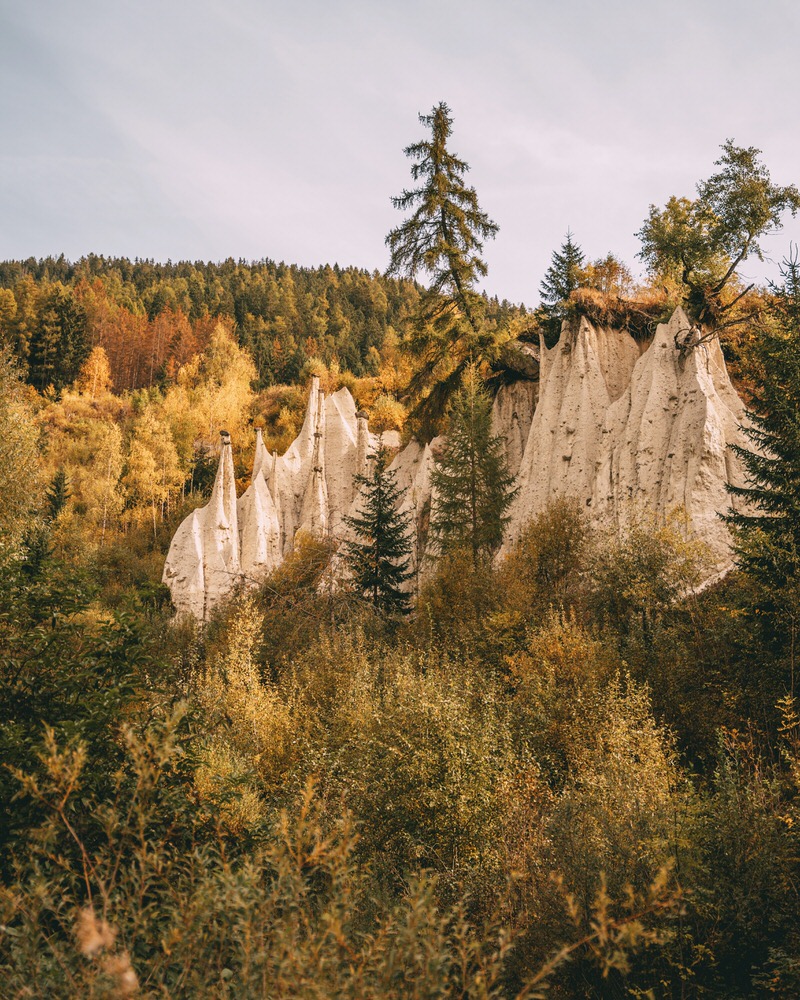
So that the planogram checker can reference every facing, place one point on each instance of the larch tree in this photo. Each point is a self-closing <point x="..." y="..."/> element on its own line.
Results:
<point x="609" y="276"/>
<point x="153" y="470"/>
<point x="94" y="378"/>
<point x="103" y="492"/>
<point x="212" y="391"/>
<point x="442" y="238"/>
<point x="378" y="557"/>
<point x="472" y="487"/>
<point x="8" y="312"/>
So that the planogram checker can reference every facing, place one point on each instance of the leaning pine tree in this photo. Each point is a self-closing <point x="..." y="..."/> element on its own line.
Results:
<point x="378" y="557"/>
<point x="472" y="487"/>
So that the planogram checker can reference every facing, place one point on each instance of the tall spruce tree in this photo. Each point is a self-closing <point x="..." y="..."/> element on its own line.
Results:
<point x="58" y="494"/>
<point x="443" y="238"/>
<point x="378" y="558"/>
<point x="767" y="529"/>
<point x="59" y="344"/>
<point x="561" y="279"/>
<point x="472" y="487"/>
<point x="768" y="543"/>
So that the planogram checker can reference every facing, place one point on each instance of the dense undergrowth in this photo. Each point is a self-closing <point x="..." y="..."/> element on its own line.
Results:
<point x="572" y="772"/>
<point x="560" y="774"/>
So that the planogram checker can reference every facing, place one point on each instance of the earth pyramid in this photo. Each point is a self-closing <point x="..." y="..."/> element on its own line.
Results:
<point x="632" y="430"/>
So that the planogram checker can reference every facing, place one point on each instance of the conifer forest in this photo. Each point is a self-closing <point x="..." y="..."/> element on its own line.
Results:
<point x="498" y="742"/>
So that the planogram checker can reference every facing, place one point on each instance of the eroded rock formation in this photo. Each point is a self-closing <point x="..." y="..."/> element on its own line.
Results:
<point x="203" y="562"/>
<point x="631" y="430"/>
<point x="665" y="441"/>
<point x="309" y="488"/>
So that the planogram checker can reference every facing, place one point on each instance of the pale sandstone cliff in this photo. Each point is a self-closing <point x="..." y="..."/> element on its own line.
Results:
<point x="309" y="488"/>
<point x="632" y="431"/>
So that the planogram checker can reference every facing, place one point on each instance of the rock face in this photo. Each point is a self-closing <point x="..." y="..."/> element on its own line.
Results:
<point x="512" y="416"/>
<point x="259" y="523"/>
<point x="203" y="562"/>
<point x="579" y="379"/>
<point x="412" y="468"/>
<point x="664" y="443"/>
<point x="309" y="488"/>
<point x="634" y="436"/>
<point x="631" y="431"/>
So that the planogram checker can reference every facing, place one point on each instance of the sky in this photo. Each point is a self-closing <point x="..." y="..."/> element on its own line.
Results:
<point x="197" y="129"/>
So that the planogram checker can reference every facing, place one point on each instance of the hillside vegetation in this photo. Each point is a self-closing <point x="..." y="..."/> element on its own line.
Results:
<point x="570" y="771"/>
<point x="151" y="318"/>
<point x="305" y="798"/>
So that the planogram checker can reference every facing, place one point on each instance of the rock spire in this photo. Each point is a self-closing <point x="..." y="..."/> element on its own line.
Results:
<point x="311" y="487"/>
<point x="633" y="431"/>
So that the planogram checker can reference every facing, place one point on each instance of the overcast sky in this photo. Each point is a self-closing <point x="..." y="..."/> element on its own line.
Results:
<point x="202" y="130"/>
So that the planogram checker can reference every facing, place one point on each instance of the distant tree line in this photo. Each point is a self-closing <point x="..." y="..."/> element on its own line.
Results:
<point x="150" y="317"/>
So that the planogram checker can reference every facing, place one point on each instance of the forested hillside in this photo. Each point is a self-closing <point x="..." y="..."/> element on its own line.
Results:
<point x="569" y="752"/>
<point x="151" y="318"/>
<point x="564" y="766"/>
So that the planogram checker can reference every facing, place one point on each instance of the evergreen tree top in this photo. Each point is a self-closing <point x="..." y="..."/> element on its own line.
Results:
<point x="444" y="236"/>
<point x="768" y="544"/>
<point x="564" y="274"/>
